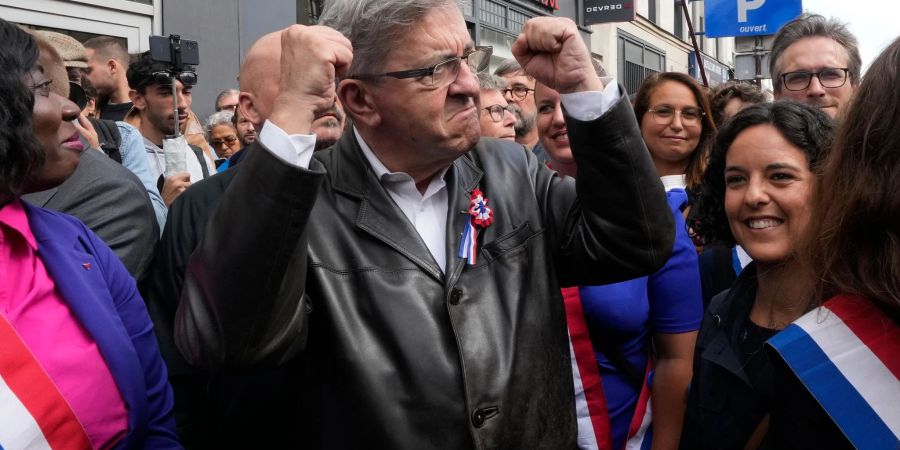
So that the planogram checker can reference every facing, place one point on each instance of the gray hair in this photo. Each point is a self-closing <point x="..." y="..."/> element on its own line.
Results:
<point x="812" y="25"/>
<point x="509" y="67"/>
<point x="488" y="82"/>
<point x="219" y="118"/>
<point x="223" y="94"/>
<point x="374" y="27"/>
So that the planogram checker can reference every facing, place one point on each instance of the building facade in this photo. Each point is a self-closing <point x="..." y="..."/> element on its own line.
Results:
<point x="658" y="41"/>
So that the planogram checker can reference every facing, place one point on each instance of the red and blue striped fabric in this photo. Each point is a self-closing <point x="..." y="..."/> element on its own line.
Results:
<point x="847" y="353"/>
<point x="590" y="400"/>
<point x="640" y="433"/>
<point x="33" y="413"/>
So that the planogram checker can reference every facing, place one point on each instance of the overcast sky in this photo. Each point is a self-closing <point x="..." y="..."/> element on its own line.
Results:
<point x="874" y="22"/>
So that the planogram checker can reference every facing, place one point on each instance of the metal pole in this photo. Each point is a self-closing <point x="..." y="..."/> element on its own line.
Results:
<point x="687" y="17"/>
<point x="175" y="104"/>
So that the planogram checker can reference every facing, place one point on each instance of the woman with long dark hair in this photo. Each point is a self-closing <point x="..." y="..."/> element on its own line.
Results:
<point x="837" y="367"/>
<point x="756" y="192"/>
<point x="79" y="366"/>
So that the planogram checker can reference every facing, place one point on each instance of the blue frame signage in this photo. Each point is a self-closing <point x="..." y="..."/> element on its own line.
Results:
<point x="748" y="17"/>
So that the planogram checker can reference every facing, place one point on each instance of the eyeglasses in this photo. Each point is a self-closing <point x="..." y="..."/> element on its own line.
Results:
<point x="226" y="140"/>
<point x="497" y="111"/>
<point x="518" y="92"/>
<point x="229" y="107"/>
<point x="442" y="73"/>
<point x="42" y="88"/>
<point x="186" y="78"/>
<point x="829" y="77"/>
<point x="689" y="116"/>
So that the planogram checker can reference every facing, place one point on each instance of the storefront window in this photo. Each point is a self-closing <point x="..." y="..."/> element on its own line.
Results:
<point x="501" y="42"/>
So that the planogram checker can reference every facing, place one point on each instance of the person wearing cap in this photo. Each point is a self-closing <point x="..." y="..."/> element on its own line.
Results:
<point x="131" y="144"/>
<point x="107" y="197"/>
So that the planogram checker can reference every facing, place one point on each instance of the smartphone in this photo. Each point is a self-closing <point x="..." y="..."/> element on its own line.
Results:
<point x="174" y="50"/>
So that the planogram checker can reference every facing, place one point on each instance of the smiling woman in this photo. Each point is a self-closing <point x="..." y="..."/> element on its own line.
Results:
<point x="756" y="192"/>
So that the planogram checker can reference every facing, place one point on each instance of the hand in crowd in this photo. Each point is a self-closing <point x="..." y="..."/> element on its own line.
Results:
<point x="551" y="50"/>
<point x="87" y="131"/>
<point x="311" y="59"/>
<point x="174" y="186"/>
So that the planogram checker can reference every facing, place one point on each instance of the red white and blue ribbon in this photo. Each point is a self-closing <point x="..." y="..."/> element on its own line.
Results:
<point x="591" y="412"/>
<point x="33" y="413"/>
<point x="847" y="354"/>
<point x="640" y="433"/>
<point x="481" y="216"/>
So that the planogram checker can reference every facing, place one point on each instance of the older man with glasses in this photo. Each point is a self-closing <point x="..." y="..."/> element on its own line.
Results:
<point x="815" y="61"/>
<point x="497" y="117"/>
<point x="413" y="269"/>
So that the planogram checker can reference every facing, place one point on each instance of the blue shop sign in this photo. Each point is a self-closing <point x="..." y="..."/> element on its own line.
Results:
<point x="748" y="17"/>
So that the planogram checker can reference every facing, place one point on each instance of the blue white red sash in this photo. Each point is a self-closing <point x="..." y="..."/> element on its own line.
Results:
<point x="847" y="353"/>
<point x="33" y="413"/>
<point x="640" y="433"/>
<point x="590" y="401"/>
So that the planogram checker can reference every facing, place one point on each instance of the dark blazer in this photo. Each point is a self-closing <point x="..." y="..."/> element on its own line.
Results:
<point x="113" y="203"/>
<point x="399" y="353"/>
<point x="723" y="408"/>
<point x="106" y="302"/>
<point x="255" y="409"/>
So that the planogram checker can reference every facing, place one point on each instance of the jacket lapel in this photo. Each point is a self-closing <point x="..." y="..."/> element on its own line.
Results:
<point x="377" y="215"/>
<point x="464" y="178"/>
<point x="79" y="279"/>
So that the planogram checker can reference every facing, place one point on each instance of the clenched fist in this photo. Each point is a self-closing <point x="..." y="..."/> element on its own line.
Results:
<point x="311" y="59"/>
<point x="551" y="50"/>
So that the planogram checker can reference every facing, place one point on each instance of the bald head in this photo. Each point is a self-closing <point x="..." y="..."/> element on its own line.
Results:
<point x="259" y="77"/>
<point x="259" y="80"/>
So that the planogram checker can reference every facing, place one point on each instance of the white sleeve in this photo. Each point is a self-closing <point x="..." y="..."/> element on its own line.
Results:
<point x="589" y="105"/>
<point x="295" y="149"/>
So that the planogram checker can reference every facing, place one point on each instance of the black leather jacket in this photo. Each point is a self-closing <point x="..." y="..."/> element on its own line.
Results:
<point x="399" y="354"/>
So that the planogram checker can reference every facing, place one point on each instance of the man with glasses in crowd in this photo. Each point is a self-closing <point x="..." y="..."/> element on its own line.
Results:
<point x="227" y="99"/>
<point x="413" y="268"/>
<point x="497" y="117"/>
<point x="816" y="61"/>
<point x="520" y="92"/>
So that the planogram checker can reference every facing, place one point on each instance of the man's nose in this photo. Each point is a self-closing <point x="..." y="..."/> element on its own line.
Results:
<point x="466" y="82"/>
<point x="815" y="88"/>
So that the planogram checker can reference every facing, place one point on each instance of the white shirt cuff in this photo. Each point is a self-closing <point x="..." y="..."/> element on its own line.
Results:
<point x="589" y="105"/>
<point x="295" y="149"/>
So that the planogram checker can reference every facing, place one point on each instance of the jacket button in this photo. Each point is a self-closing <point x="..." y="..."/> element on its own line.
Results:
<point x="482" y="415"/>
<point x="455" y="296"/>
<point x="478" y="419"/>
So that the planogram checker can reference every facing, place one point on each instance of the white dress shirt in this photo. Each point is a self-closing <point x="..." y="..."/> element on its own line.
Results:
<point x="426" y="212"/>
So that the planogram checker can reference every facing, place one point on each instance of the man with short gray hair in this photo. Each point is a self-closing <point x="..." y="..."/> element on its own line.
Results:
<point x="497" y="117"/>
<point x="816" y="61"/>
<point x="414" y="269"/>
<point x="520" y="92"/>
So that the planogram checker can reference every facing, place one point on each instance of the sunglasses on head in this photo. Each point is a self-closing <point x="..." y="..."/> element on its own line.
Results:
<point x="186" y="78"/>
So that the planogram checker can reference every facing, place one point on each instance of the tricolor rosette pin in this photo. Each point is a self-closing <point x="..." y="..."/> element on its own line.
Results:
<point x="482" y="216"/>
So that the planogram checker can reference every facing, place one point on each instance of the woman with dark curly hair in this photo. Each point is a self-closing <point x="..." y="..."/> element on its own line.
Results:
<point x="837" y="369"/>
<point x="756" y="192"/>
<point x="79" y="366"/>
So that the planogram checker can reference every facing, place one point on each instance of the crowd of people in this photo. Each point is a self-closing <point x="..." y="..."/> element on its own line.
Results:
<point x="374" y="245"/>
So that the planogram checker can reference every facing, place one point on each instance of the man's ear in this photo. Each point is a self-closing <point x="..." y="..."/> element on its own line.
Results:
<point x="137" y="99"/>
<point x="247" y="105"/>
<point x="112" y="66"/>
<point x="359" y="102"/>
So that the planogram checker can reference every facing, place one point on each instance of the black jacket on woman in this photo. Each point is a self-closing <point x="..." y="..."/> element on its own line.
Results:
<point x="723" y="407"/>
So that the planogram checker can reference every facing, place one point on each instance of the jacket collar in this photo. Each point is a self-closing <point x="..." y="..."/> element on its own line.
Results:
<point x="378" y="215"/>
<point x="729" y="317"/>
<point x="79" y="278"/>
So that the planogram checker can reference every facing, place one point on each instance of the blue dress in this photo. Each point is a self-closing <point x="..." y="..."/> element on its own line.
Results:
<point x="626" y="314"/>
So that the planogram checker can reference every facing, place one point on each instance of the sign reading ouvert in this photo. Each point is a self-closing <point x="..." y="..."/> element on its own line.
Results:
<point x="604" y="11"/>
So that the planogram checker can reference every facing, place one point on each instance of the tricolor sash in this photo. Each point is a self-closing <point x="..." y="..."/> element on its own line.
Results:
<point x="33" y="413"/>
<point x="590" y="400"/>
<point x="640" y="433"/>
<point x="847" y="354"/>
